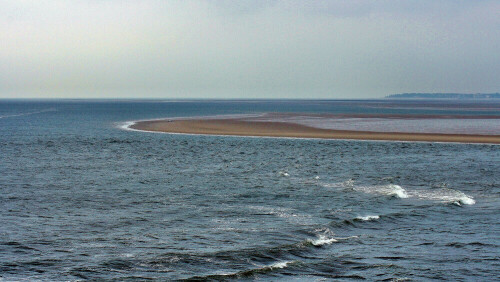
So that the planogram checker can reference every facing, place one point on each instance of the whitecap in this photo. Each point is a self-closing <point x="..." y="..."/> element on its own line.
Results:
<point x="390" y="190"/>
<point x="280" y="264"/>
<point x="276" y="265"/>
<point x="467" y="200"/>
<point x="322" y="240"/>
<point x="445" y="195"/>
<point x="348" y="183"/>
<point x="397" y="191"/>
<point x="368" y="217"/>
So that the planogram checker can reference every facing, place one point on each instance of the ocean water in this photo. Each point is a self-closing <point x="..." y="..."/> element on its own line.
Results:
<point x="81" y="198"/>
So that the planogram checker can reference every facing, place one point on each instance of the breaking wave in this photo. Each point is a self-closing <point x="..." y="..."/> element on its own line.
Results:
<point x="442" y="195"/>
<point x="445" y="195"/>
<point x="246" y="273"/>
<point x="367" y="218"/>
<point x="284" y="173"/>
<point x="321" y="240"/>
<point x="283" y="256"/>
<point x="389" y="190"/>
<point x="280" y="264"/>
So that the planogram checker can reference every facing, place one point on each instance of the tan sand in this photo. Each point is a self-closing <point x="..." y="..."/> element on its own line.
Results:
<point x="240" y="127"/>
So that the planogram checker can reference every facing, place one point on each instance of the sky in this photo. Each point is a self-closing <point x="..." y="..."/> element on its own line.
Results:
<point x="247" y="49"/>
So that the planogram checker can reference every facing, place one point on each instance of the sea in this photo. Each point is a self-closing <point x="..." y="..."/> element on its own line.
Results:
<point x="84" y="198"/>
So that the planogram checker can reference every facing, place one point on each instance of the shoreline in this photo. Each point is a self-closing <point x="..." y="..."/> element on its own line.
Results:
<point x="241" y="127"/>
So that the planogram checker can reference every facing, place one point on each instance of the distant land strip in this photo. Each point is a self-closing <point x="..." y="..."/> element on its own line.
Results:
<point x="478" y="96"/>
<point x="240" y="127"/>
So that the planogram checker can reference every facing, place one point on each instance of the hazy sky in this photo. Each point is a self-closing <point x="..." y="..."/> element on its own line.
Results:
<point x="247" y="49"/>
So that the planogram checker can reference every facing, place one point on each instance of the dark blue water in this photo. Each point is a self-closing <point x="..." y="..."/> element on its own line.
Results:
<point x="82" y="199"/>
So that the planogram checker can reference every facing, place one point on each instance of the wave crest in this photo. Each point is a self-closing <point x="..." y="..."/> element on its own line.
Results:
<point x="321" y="240"/>
<point x="280" y="264"/>
<point x="367" y="218"/>
<point x="389" y="190"/>
<point x="446" y="195"/>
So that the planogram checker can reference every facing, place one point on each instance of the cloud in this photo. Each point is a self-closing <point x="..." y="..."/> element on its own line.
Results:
<point x="246" y="49"/>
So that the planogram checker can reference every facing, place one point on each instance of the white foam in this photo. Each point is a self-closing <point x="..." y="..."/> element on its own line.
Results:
<point x="127" y="125"/>
<point x="390" y="190"/>
<point x="398" y="191"/>
<point x="276" y="265"/>
<point x="322" y="240"/>
<point x="280" y="264"/>
<point x="330" y="185"/>
<point x="445" y="195"/>
<point x="348" y="183"/>
<point x="284" y="173"/>
<point x="368" y="217"/>
<point x="467" y="200"/>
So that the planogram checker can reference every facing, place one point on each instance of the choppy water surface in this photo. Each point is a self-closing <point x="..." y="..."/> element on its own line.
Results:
<point x="82" y="199"/>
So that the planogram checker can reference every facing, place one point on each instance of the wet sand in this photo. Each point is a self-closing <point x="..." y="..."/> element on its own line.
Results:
<point x="242" y="127"/>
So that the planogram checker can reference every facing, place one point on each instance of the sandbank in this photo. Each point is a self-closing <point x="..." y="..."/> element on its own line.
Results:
<point x="245" y="127"/>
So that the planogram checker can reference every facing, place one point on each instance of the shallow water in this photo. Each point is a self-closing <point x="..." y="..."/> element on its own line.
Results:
<point x="83" y="199"/>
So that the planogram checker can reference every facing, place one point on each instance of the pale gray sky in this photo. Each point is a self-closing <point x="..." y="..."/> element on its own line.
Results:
<point x="247" y="49"/>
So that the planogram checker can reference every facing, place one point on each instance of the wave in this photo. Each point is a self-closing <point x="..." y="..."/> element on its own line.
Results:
<point x="280" y="264"/>
<point x="355" y="220"/>
<point x="470" y="244"/>
<point x="321" y="240"/>
<point x="442" y="195"/>
<point x="367" y="218"/>
<point x="445" y="195"/>
<point x="283" y="256"/>
<point x="246" y="273"/>
<point x="389" y="190"/>
<point x="234" y="263"/>
<point x="285" y="213"/>
<point x="348" y="183"/>
<point x="284" y="173"/>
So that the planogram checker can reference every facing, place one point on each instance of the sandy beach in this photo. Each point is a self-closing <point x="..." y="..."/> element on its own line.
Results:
<point x="244" y="127"/>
